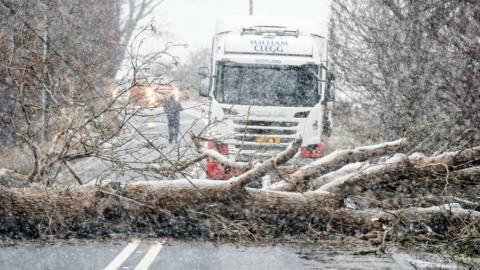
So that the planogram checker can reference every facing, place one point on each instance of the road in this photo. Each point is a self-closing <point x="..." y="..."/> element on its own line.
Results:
<point x="133" y="153"/>
<point x="166" y="255"/>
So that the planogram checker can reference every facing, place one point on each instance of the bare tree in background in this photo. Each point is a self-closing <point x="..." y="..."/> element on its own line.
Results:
<point x="84" y="109"/>
<point x="136" y="11"/>
<point x="87" y="42"/>
<point x="186" y="73"/>
<point x="413" y="66"/>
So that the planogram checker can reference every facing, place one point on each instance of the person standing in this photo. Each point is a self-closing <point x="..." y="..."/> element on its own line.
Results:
<point x="172" y="108"/>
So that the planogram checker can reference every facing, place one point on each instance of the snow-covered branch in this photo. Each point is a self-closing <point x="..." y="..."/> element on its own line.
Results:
<point x="335" y="160"/>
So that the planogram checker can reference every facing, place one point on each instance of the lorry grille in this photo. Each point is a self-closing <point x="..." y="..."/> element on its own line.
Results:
<point x="260" y="147"/>
<point x="258" y="131"/>
<point x="266" y="123"/>
<point x="244" y="145"/>
<point x="242" y="138"/>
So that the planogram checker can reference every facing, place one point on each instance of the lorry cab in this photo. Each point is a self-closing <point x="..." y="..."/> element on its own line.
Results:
<point x="268" y="84"/>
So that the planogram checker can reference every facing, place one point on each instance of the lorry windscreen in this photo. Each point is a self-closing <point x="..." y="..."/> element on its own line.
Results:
<point x="267" y="85"/>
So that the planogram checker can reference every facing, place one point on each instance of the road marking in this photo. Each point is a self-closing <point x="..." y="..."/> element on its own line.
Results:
<point x="126" y="252"/>
<point x="150" y="256"/>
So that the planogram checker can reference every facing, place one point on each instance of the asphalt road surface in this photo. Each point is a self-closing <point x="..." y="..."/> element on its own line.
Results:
<point x="166" y="255"/>
<point x="135" y="152"/>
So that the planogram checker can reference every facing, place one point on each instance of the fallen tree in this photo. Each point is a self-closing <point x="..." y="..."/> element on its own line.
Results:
<point x="400" y="193"/>
<point x="400" y="163"/>
<point x="335" y="160"/>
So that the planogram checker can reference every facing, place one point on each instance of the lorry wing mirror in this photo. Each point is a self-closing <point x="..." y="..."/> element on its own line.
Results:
<point x="205" y="82"/>
<point x="204" y="87"/>
<point x="331" y="85"/>
<point x="203" y="71"/>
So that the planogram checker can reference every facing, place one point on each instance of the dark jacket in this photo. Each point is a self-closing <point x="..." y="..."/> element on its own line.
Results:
<point x="172" y="108"/>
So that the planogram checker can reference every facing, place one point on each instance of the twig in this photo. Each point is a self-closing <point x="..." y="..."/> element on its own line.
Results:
<point x="73" y="173"/>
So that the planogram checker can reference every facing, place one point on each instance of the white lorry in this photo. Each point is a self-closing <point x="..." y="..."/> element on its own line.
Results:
<point x="268" y="84"/>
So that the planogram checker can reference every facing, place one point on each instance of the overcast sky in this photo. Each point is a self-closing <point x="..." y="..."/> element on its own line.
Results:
<point x="193" y="21"/>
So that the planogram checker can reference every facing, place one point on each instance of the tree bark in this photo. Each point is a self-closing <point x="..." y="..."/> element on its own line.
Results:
<point x="400" y="163"/>
<point x="335" y="160"/>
